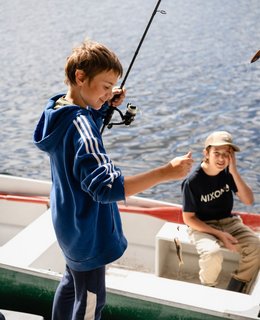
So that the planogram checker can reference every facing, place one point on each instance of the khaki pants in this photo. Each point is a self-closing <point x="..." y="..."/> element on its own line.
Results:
<point x="208" y="248"/>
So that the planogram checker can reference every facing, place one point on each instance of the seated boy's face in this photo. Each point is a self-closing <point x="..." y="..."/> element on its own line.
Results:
<point x="219" y="156"/>
<point x="95" y="93"/>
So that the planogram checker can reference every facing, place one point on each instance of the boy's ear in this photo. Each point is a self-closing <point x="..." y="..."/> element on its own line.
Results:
<point x="80" y="76"/>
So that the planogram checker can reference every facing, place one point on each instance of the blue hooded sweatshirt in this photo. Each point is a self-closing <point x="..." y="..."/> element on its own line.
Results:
<point x="85" y="186"/>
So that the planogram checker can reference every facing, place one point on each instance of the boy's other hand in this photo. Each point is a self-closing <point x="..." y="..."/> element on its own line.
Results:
<point x="229" y="241"/>
<point x="181" y="166"/>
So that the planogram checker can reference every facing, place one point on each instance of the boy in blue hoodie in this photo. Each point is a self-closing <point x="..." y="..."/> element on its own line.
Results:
<point x="86" y="185"/>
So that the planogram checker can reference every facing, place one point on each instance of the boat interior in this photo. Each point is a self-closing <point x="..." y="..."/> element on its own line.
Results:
<point x="27" y="240"/>
<point x="27" y="237"/>
<point x="152" y="244"/>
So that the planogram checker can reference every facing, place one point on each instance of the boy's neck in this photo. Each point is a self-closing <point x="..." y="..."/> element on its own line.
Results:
<point x="74" y="98"/>
<point x="208" y="170"/>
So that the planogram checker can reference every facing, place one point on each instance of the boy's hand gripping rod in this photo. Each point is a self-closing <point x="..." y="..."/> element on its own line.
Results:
<point x="131" y="110"/>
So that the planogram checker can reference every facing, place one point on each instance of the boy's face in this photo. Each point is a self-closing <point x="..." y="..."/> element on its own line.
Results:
<point x="219" y="157"/>
<point x="99" y="90"/>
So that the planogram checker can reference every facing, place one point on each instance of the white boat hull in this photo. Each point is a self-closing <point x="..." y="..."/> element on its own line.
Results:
<point x="148" y="272"/>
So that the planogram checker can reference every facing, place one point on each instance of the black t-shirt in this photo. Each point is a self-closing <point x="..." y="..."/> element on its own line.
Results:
<point x="210" y="197"/>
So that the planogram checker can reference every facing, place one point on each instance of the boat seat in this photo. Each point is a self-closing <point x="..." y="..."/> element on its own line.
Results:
<point x="30" y="243"/>
<point x="166" y="255"/>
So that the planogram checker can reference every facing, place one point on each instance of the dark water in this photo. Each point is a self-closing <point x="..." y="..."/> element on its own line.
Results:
<point x="192" y="76"/>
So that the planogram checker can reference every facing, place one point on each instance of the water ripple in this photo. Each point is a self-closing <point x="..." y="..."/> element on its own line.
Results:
<point x="192" y="76"/>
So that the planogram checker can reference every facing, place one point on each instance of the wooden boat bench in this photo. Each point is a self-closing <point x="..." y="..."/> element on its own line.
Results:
<point x="30" y="243"/>
<point x="166" y="257"/>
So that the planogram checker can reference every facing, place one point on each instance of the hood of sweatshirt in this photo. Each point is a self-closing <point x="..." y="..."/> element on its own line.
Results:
<point x="50" y="129"/>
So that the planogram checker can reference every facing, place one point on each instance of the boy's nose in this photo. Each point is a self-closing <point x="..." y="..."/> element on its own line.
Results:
<point x="110" y="94"/>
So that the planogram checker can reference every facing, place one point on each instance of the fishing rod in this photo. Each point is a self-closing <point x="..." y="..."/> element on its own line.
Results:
<point x="131" y="111"/>
<point x="256" y="56"/>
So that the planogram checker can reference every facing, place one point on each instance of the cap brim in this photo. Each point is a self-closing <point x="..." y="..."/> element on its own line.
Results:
<point x="235" y="147"/>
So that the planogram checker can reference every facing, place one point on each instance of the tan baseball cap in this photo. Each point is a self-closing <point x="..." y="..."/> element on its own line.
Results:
<point x="220" y="138"/>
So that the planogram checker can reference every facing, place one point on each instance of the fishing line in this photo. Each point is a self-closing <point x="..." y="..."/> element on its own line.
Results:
<point x="131" y="109"/>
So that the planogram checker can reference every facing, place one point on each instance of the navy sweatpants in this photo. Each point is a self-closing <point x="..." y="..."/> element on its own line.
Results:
<point x="80" y="295"/>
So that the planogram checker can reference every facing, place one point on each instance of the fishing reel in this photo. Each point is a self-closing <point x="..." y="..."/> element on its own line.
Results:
<point x="126" y="118"/>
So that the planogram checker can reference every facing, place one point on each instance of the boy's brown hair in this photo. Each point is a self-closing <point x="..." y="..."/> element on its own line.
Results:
<point x="92" y="58"/>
